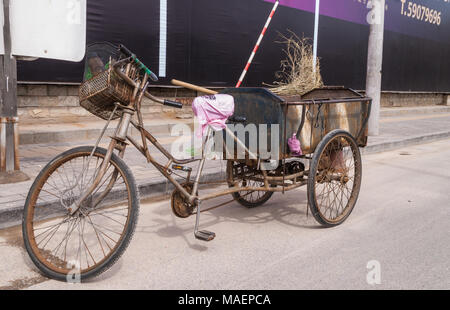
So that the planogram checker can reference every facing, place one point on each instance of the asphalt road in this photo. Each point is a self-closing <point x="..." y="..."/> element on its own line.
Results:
<point x="400" y="228"/>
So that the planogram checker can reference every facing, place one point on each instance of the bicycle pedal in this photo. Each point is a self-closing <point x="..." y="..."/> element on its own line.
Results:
<point x="205" y="235"/>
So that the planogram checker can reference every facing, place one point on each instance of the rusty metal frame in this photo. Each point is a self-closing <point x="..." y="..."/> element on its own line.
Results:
<point x="311" y="102"/>
<point x="118" y="141"/>
<point x="9" y="124"/>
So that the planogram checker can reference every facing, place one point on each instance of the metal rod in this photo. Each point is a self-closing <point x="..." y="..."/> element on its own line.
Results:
<point x="326" y="101"/>
<point x="286" y="109"/>
<point x="201" y="165"/>
<point x="258" y="43"/>
<point x="250" y="154"/>
<point x="123" y="75"/>
<point x="2" y="144"/>
<point x="98" y="178"/>
<point x="288" y="177"/>
<point x="302" y="122"/>
<point x="163" y="170"/>
<point x="16" y="145"/>
<point x="255" y="189"/>
<point x="155" y="142"/>
<point x="365" y="121"/>
<point x="316" y="34"/>
<point x="139" y="148"/>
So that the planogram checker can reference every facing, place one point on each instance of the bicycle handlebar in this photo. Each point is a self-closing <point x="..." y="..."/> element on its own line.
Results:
<point x="237" y="119"/>
<point x="141" y="65"/>
<point x="128" y="53"/>
<point x="125" y="50"/>
<point x="173" y="104"/>
<point x="169" y="103"/>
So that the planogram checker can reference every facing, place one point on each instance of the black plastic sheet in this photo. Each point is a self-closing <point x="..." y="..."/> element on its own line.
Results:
<point x="209" y="42"/>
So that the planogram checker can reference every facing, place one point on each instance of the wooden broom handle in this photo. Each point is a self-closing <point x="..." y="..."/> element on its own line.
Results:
<point x="194" y="87"/>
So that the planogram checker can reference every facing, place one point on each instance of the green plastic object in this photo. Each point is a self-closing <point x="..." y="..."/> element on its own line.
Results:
<point x="142" y="66"/>
<point x="89" y="74"/>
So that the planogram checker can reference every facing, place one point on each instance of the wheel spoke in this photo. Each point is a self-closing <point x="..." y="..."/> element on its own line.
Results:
<point x="337" y="178"/>
<point x="244" y="176"/>
<point x="92" y="234"/>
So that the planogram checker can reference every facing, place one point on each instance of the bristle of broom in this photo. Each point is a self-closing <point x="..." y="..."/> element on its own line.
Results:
<point x="297" y="76"/>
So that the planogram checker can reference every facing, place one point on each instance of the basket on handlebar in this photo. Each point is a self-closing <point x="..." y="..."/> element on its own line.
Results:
<point x="102" y="87"/>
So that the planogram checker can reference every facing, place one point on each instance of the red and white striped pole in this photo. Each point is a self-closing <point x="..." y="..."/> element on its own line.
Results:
<point x="257" y="44"/>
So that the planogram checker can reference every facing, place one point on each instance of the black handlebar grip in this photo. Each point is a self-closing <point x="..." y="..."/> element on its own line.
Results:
<point x="173" y="104"/>
<point x="128" y="53"/>
<point x="238" y="119"/>
<point x="125" y="50"/>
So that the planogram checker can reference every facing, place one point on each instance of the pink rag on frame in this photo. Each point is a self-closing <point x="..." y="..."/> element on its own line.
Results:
<point x="295" y="146"/>
<point x="213" y="110"/>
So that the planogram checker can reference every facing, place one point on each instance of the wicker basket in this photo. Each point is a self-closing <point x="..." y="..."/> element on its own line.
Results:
<point x="98" y="94"/>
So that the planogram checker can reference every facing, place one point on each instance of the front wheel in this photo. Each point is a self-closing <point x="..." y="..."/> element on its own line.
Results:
<point x="78" y="246"/>
<point x="334" y="178"/>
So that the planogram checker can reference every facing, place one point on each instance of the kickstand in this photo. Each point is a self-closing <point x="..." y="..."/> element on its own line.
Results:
<point x="202" y="234"/>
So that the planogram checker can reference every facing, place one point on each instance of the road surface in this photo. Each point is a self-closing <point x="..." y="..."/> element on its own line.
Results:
<point x="398" y="237"/>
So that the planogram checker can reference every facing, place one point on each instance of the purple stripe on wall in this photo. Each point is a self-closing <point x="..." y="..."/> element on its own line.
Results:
<point x="396" y="20"/>
<point x="349" y="10"/>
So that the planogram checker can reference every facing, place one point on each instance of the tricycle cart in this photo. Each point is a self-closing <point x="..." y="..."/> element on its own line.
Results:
<point x="82" y="209"/>
<point x="331" y="124"/>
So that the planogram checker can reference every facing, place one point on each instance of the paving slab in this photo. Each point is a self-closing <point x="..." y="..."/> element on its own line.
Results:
<point x="397" y="132"/>
<point x="402" y="111"/>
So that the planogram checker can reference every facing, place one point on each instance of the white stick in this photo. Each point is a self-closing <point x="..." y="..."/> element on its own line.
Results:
<point x="255" y="49"/>
<point x="162" y="38"/>
<point x="316" y="34"/>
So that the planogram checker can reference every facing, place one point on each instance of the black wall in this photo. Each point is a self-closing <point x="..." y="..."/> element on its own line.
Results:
<point x="209" y="42"/>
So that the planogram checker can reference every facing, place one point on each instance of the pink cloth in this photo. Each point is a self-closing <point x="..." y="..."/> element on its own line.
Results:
<point x="294" y="146"/>
<point x="213" y="110"/>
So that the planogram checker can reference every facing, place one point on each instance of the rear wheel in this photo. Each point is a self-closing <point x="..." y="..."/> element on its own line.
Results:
<point x="241" y="175"/>
<point x="82" y="245"/>
<point x="334" y="178"/>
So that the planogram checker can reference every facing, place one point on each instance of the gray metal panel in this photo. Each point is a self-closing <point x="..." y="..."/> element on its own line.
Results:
<point x="259" y="106"/>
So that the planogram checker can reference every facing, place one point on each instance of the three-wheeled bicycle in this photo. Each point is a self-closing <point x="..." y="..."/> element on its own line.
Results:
<point x="82" y="209"/>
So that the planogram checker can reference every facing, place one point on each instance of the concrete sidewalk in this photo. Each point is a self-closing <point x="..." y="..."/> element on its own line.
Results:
<point x="52" y="131"/>
<point x="396" y="132"/>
